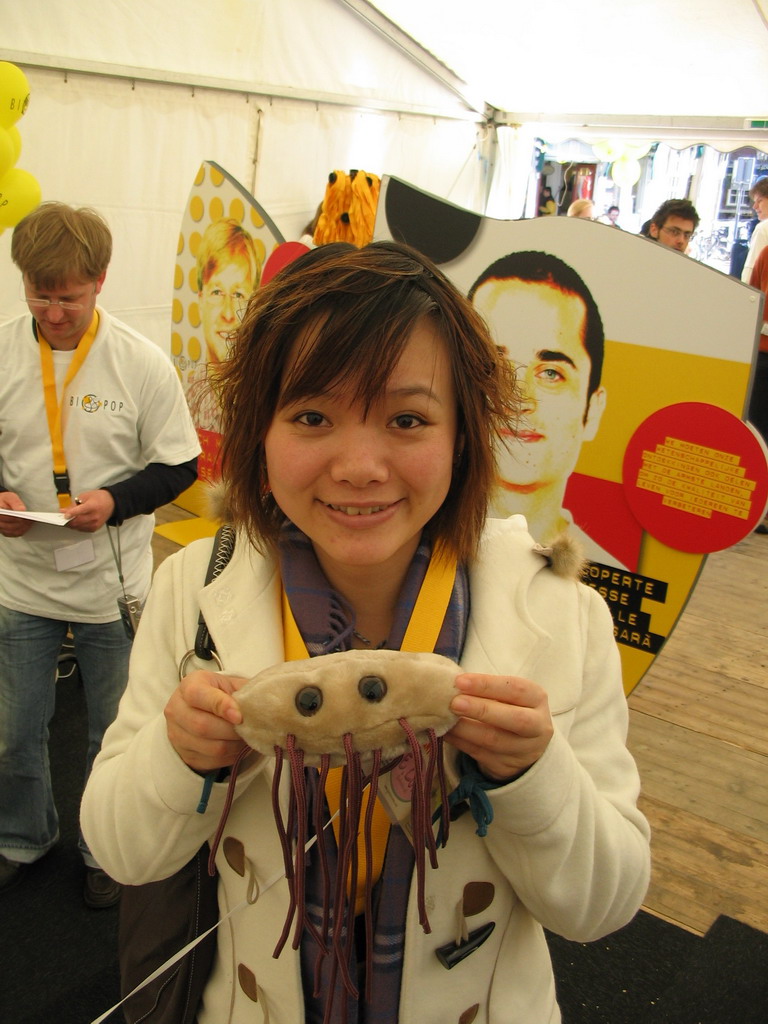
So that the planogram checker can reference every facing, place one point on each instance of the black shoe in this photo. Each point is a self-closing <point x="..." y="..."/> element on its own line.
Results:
<point x="100" y="890"/>
<point x="10" y="872"/>
<point x="762" y="527"/>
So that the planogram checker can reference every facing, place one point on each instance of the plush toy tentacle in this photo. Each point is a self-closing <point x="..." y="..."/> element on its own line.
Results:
<point x="225" y="810"/>
<point x="322" y="848"/>
<point x="429" y="777"/>
<point x="347" y="864"/>
<point x="373" y="788"/>
<point x="419" y="826"/>
<point x="298" y="830"/>
<point x="282" y="832"/>
<point x="443" y="811"/>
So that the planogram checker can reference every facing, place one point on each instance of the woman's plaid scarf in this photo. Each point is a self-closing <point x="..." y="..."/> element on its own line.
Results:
<point x="326" y="621"/>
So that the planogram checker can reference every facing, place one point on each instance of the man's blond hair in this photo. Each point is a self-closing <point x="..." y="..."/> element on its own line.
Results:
<point x="56" y="243"/>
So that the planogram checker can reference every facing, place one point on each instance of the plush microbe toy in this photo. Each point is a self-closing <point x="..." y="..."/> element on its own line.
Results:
<point x="363" y="713"/>
<point x="354" y="701"/>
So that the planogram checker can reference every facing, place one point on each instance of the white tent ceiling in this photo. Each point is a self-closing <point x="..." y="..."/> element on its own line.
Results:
<point x="634" y="58"/>
<point x="686" y="70"/>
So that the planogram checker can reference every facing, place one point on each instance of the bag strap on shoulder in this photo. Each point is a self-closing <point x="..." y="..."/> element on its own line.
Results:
<point x="223" y="547"/>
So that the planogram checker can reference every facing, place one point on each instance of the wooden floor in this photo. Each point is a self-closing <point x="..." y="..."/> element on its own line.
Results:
<point x="699" y="732"/>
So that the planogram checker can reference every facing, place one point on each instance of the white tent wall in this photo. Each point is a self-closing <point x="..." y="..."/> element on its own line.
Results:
<point x="300" y="143"/>
<point x="313" y="48"/>
<point x="310" y="88"/>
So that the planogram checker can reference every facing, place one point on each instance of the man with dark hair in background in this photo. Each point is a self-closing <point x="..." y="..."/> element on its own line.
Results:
<point x="674" y="224"/>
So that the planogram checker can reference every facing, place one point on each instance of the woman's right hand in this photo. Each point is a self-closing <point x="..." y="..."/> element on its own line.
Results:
<point x="200" y="718"/>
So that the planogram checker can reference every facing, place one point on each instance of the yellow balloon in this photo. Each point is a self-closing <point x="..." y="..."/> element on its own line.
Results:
<point x="20" y="193"/>
<point x="14" y="93"/>
<point x="604" y="150"/>
<point x="637" y="149"/>
<point x="15" y="136"/>
<point x="626" y="171"/>
<point x="609" y="149"/>
<point x="7" y="156"/>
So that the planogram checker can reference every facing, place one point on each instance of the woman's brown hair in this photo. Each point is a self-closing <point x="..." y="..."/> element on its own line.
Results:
<point x="354" y="310"/>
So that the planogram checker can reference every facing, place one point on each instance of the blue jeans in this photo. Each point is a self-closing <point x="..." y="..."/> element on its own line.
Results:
<point x="29" y="650"/>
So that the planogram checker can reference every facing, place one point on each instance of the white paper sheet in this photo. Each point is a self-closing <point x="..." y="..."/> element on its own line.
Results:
<point x="54" y="518"/>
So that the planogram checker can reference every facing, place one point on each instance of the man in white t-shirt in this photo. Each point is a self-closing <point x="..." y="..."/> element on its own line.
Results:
<point x="94" y="426"/>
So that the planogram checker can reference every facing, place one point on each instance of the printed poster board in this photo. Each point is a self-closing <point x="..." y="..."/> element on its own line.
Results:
<point x="225" y="242"/>
<point x="650" y="464"/>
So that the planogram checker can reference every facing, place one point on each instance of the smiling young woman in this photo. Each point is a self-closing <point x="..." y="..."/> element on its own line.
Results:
<point x="362" y="407"/>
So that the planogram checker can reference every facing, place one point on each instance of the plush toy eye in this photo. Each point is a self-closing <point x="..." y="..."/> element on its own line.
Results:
<point x="372" y="688"/>
<point x="309" y="701"/>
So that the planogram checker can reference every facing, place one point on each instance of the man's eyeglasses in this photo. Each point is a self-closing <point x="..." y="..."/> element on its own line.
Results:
<point x="37" y="304"/>
<point x="679" y="233"/>
<point x="68" y="307"/>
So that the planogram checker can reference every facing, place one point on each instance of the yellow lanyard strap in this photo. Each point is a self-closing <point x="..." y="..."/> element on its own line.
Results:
<point x="53" y="405"/>
<point x="421" y="635"/>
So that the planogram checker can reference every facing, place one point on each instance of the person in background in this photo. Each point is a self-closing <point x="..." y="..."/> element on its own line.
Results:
<point x="361" y="404"/>
<point x="584" y="209"/>
<point x="610" y="217"/>
<point x="758" y="403"/>
<point x="547" y="204"/>
<point x="759" y="196"/>
<point x="673" y="224"/>
<point x="93" y="424"/>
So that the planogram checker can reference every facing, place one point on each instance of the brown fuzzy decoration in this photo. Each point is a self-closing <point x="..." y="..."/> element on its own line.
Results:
<point x="217" y="502"/>
<point x="565" y="556"/>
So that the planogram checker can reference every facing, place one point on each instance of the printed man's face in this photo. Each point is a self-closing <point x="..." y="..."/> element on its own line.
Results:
<point x="223" y="299"/>
<point x="540" y="329"/>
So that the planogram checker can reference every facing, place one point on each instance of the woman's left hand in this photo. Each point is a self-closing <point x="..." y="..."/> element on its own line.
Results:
<point x="505" y="725"/>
